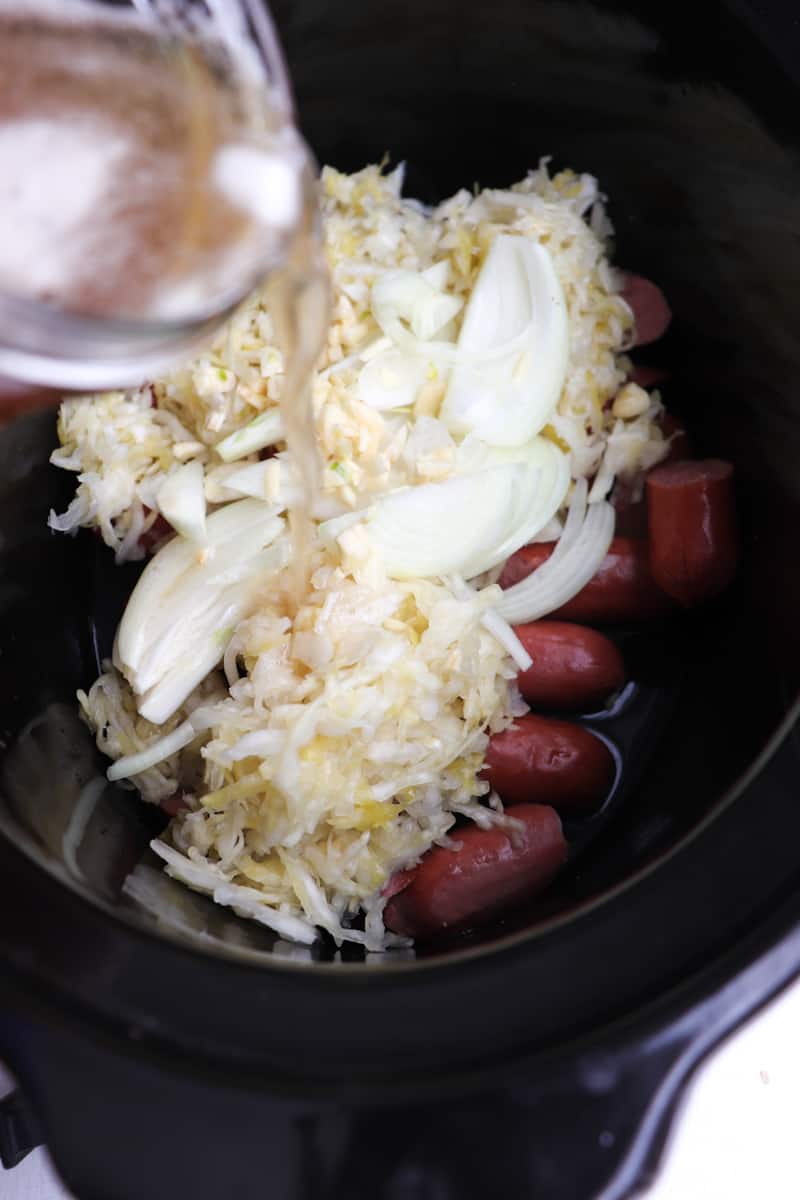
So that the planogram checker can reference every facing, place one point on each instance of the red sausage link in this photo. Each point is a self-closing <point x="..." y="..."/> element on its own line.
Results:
<point x="650" y="308"/>
<point x="574" y="668"/>
<point x="554" y="762"/>
<point x="492" y="870"/>
<point x="632" y="514"/>
<point x="692" y="521"/>
<point x="19" y="398"/>
<point x="621" y="590"/>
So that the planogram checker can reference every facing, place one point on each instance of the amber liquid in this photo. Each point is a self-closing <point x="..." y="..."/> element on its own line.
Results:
<point x="299" y="300"/>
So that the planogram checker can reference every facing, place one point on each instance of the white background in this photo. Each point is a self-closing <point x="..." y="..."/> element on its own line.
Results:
<point x="736" y="1137"/>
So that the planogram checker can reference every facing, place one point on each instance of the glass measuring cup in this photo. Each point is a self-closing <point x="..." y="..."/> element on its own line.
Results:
<point x="150" y="176"/>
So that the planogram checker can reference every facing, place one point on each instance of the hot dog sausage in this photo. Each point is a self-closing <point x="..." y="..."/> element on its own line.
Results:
<point x="493" y="870"/>
<point x="692" y="523"/>
<point x="19" y="398"/>
<point x="650" y="308"/>
<point x="622" y="589"/>
<point x="574" y="668"/>
<point x="632" y="513"/>
<point x="550" y="761"/>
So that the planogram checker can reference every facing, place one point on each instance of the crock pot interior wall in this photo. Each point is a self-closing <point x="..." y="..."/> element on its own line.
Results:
<point x="684" y="122"/>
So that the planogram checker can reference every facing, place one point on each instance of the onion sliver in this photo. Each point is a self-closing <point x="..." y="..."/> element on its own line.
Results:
<point x="234" y="534"/>
<point x="391" y="380"/>
<point x="274" y="482"/>
<point x="494" y="624"/>
<point x="472" y="521"/>
<point x="156" y="752"/>
<point x="364" y="354"/>
<point x="399" y="296"/>
<point x="177" y="661"/>
<point x="438" y="275"/>
<point x="513" y="347"/>
<point x="500" y="629"/>
<point x="254" y="479"/>
<point x="264" y="430"/>
<point x="437" y="528"/>
<point x="390" y="313"/>
<point x="534" y="510"/>
<point x="182" y="501"/>
<point x="180" y="614"/>
<point x="575" y="560"/>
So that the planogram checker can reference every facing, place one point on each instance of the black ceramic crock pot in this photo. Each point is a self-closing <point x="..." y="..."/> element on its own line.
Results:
<point x="186" y="1054"/>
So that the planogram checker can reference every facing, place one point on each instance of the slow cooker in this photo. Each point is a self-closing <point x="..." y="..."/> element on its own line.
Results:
<point x="172" y="1049"/>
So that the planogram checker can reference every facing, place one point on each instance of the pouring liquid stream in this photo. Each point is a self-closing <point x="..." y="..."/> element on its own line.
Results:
<point x="299" y="302"/>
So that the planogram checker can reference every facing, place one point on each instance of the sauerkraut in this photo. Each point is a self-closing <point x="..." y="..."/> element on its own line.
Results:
<point x="327" y="746"/>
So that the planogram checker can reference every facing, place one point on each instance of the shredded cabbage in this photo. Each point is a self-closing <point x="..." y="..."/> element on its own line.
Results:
<point x="320" y="749"/>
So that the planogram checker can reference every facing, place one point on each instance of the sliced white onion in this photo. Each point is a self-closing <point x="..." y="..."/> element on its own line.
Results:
<point x="550" y="532"/>
<point x="273" y="481"/>
<point x="437" y="528"/>
<point x="580" y="551"/>
<point x="152" y="755"/>
<point x="182" y="501"/>
<point x="264" y="430"/>
<point x="444" y="352"/>
<point x="391" y="380"/>
<point x="363" y="355"/>
<point x="548" y="476"/>
<point x="471" y="521"/>
<point x="263" y="743"/>
<point x="330" y="530"/>
<point x="500" y="629"/>
<point x="438" y="275"/>
<point x="406" y="296"/>
<point x="254" y="480"/>
<point x="428" y="442"/>
<point x="234" y="534"/>
<point x="206" y="716"/>
<point x="78" y="823"/>
<point x="494" y="624"/>
<point x="181" y="672"/>
<point x="177" y="661"/>
<point x="517" y="319"/>
<point x="473" y="454"/>
<point x="527" y="492"/>
<point x="180" y="615"/>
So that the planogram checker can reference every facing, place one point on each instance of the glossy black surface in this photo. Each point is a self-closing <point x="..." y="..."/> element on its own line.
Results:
<point x="195" y="1031"/>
